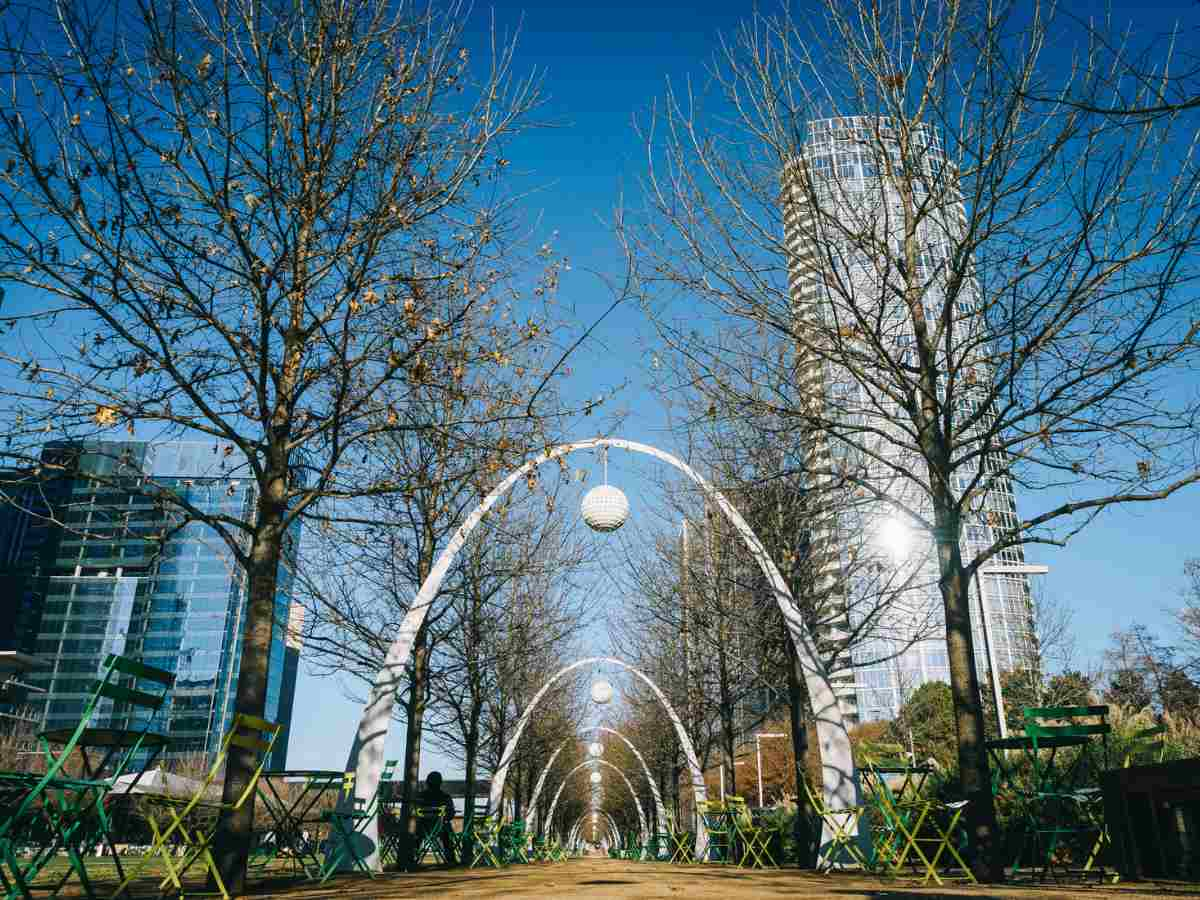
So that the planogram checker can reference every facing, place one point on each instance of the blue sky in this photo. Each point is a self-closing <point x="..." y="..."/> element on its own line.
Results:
<point x="605" y="63"/>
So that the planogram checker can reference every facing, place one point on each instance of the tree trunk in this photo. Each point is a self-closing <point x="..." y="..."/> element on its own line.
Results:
<point x="727" y="735"/>
<point x="798" y="710"/>
<point x="415" y="715"/>
<point x="231" y="843"/>
<point x="468" y="811"/>
<point x="986" y="862"/>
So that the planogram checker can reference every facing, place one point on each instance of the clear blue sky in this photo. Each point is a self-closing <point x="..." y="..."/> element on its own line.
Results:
<point x="604" y="62"/>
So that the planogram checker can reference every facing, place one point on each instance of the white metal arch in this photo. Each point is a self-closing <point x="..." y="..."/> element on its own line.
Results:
<point x="589" y="762"/>
<point x="510" y="749"/>
<point x="577" y="828"/>
<point x="365" y="759"/>
<point x="659" y="810"/>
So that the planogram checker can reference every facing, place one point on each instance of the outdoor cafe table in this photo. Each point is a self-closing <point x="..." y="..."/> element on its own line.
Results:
<point x="98" y="747"/>
<point x="1004" y="774"/>
<point x="292" y="818"/>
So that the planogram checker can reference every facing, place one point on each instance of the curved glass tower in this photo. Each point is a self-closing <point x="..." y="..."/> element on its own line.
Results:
<point x="865" y="199"/>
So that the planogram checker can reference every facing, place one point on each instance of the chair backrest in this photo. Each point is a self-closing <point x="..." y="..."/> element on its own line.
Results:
<point x="1149" y="743"/>
<point x="383" y="790"/>
<point x="146" y="688"/>
<point x="246" y="733"/>
<point x="1043" y="722"/>
<point x="739" y="808"/>
<point x="711" y="813"/>
<point x="133" y="685"/>
<point x="880" y="753"/>
<point x="1066" y="721"/>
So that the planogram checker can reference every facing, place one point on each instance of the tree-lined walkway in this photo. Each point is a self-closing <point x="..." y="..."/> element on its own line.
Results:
<point x="601" y="879"/>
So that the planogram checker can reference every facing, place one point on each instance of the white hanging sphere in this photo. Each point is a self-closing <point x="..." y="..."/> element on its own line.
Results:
<point x="596" y="749"/>
<point x="604" y="508"/>
<point x="602" y="692"/>
<point x="596" y="777"/>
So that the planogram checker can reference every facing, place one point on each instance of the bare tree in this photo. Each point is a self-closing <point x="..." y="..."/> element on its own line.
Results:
<point x="261" y="224"/>
<point x="986" y="294"/>
<point x="515" y="563"/>
<point x="1188" y="615"/>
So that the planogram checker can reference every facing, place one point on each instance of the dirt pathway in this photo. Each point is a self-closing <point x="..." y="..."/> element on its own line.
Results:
<point x="605" y="879"/>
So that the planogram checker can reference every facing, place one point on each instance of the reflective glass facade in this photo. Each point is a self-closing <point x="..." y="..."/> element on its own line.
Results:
<point x="100" y="588"/>
<point x="843" y="166"/>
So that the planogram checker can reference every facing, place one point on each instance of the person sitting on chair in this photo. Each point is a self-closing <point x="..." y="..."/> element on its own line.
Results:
<point x="432" y="796"/>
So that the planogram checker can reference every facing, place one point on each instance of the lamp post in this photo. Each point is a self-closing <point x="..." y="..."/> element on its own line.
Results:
<point x="758" y="753"/>
<point x="721" y="768"/>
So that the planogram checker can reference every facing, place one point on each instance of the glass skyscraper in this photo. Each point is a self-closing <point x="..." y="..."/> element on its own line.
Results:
<point x="845" y="227"/>
<point x="80" y="560"/>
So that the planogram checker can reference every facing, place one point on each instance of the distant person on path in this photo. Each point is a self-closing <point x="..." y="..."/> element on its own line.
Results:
<point x="433" y="795"/>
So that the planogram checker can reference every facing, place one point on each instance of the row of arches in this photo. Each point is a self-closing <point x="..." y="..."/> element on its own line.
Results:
<point x="367" y="750"/>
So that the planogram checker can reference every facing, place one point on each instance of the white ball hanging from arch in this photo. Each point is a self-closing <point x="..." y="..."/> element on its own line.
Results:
<point x="602" y="692"/>
<point x="596" y="778"/>
<point x="604" y="508"/>
<point x="595" y="749"/>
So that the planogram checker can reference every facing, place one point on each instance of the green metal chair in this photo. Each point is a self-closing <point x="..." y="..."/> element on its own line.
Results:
<point x="346" y="840"/>
<point x="1063" y="806"/>
<point x="431" y="825"/>
<point x="715" y="819"/>
<point x="515" y="840"/>
<point x="53" y="811"/>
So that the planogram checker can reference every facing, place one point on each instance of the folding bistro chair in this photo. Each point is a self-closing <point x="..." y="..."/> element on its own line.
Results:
<point x="192" y="823"/>
<point x="680" y="844"/>
<point x="715" y="821"/>
<point x="843" y="830"/>
<point x="916" y="822"/>
<point x="753" y="841"/>
<point x="347" y="824"/>
<point x="514" y="841"/>
<point x="430" y="824"/>
<point x="1148" y="744"/>
<point x="1062" y="807"/>
<point x="54" y="812"/>
<point x="485" y="837"/>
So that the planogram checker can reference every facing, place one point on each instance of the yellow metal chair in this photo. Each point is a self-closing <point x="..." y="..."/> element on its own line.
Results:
<point x="485" y="837"/>
<point x="680" y="846"/>
<point x="754" y="841"/>
<point x="843" y="828"/>
<point x="192" y="822"/>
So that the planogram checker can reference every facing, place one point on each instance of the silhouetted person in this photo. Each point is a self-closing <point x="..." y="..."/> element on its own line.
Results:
<point x="431" y="796"/>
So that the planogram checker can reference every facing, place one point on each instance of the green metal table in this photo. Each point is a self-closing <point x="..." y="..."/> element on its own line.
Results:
<point x="296" y="821"/>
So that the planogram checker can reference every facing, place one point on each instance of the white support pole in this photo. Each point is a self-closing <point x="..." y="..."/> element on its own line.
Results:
<point x="758" y="746"/>
<point x="758" y="766"/>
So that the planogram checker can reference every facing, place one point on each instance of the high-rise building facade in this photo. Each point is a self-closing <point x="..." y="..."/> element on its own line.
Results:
<point x="97" y="567"/>
<point x="845" y="230"/>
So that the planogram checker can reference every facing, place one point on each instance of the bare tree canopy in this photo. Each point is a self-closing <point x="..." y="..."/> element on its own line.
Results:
<point x="983" y="295"/>
<point x="271" y="226"/>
